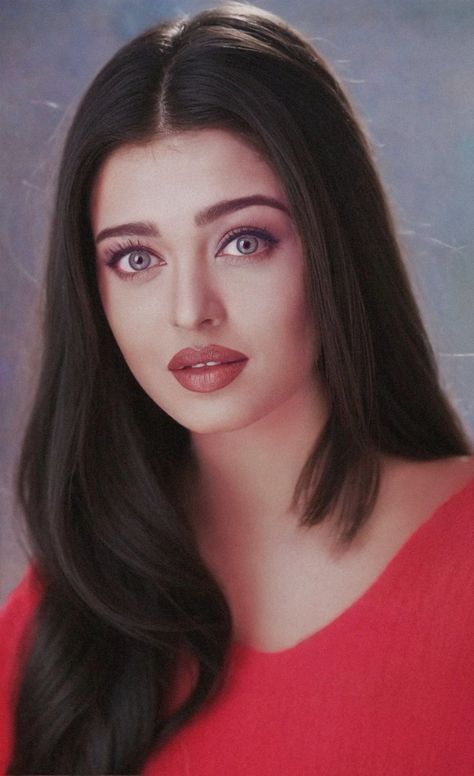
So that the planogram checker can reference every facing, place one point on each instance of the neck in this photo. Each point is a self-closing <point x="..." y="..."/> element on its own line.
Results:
<point x="245" y="479"/>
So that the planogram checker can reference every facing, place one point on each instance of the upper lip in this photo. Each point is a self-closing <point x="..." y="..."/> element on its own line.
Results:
<point x="190" y="356"/>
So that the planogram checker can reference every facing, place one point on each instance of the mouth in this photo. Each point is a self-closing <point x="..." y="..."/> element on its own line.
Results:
<point x="207" y="357"/>
<point x="211" y="376"/>
<point x="203" y="365"/>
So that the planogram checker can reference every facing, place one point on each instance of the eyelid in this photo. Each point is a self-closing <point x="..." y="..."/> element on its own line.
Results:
<point x="241" y="231"/>
<point x="116" y="251"/>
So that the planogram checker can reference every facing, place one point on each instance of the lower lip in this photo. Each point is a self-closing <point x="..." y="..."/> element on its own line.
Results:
<point x="209" y="378"/>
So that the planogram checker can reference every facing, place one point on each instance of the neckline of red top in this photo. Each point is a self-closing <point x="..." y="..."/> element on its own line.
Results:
<point x="435" y="521"/>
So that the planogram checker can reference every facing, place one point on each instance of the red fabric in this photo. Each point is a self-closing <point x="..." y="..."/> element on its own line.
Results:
<point x="386" y="689"/>
<point x="14" y="619"/>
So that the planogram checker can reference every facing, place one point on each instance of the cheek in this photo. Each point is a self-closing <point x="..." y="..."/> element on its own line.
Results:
<point x="128" y="321"/>
<point x="287" y="313"/>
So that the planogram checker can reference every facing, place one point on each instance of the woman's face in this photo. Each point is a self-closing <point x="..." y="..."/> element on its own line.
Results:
<point x="179" y="269"/>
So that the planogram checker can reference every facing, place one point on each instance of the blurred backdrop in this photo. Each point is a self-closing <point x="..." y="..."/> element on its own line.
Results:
<point x="409" y="67"/>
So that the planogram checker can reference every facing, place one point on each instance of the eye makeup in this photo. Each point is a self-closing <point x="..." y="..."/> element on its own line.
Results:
<point x="269" y="240"/>
<point x="114" y="253"/>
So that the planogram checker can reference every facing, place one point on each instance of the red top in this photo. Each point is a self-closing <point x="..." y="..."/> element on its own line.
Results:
<point x="386" y="689"/>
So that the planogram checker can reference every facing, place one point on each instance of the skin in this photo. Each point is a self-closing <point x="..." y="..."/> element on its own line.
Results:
<point x="251" y="438"/>
<point x="197" y="292"/>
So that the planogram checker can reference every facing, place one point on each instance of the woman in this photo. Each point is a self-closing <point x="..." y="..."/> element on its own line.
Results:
<point x="249" y="503"/>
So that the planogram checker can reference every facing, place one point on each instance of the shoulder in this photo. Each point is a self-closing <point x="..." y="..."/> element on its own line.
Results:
<point x="414" y="492"/>
<point x="22" y="601"/>
<point x="445" y="494"/>
<point x="15" y="616"/>
<point x="450" y="528"/>
<point x="424" y="523"/>
<point x="437" y="562"/>
<point x="425" y="596"/>
<point x="452" y="535"/>
<point x="452" y="519"/>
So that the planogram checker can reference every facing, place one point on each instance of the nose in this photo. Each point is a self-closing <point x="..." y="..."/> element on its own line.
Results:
<point x="196" y="300"/>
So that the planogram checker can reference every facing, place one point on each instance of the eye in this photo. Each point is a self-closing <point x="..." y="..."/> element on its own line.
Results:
<point x="138" y="259"/>
<point x="247" y="241"/>
<point x="131" y="260"/>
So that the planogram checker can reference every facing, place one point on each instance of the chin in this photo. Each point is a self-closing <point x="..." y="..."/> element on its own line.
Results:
<point x="211" y="425"/>
<point x="216" y="420"/>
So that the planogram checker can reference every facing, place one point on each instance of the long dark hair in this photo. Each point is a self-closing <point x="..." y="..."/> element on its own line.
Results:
<point x="125" y="591"/>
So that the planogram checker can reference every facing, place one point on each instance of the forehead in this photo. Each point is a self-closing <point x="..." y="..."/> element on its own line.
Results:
<point x="189" y="169"/>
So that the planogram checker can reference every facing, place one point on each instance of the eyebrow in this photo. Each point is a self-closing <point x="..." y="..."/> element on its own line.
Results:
<point x="203" y="217"/>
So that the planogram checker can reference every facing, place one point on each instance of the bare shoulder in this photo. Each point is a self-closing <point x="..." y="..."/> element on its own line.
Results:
<point x="411" y="491"/>
<point x="429" y="482"/>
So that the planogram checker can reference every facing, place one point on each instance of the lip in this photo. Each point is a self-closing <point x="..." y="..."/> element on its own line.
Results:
<point x="192" y="356"/>
<point x="209" y="378"/>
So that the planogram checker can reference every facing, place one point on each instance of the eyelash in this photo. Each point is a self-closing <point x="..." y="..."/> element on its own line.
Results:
<point x="116" y="252"/>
